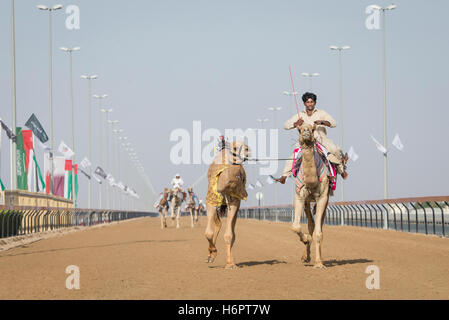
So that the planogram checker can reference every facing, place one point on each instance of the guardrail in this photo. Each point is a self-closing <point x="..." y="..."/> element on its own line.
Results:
<point x="16" y="221"/>
<point x="429" y="215"/>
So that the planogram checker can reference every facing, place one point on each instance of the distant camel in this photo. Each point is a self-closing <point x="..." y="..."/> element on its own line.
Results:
<point x="163" y="208"/>
<point x="227" y="180"/>
<point x="177" y="197"/>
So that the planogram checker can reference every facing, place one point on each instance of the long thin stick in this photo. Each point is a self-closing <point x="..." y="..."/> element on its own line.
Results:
<point x="293" y="87"/>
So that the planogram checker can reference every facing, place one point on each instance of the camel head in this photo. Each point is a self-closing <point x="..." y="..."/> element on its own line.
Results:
<point x="306" y="134"/>
<point x="190" y="190"/>
<point x="240" y="152"/>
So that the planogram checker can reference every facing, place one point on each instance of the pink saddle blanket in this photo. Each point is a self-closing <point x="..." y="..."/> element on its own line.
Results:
<point x="324" y="167"/>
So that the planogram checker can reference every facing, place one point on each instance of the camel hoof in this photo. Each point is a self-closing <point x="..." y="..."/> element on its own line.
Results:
<point x="319" y="265"/>
<point x="210" y="259"/>
<point x="305" y="259"/>
<point x="231" y="266"/>
<point x="296" y="228"/>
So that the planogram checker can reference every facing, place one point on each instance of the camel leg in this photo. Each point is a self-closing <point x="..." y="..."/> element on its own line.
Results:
<point x="212" y="229"/>
<point x="196" y="216"/>
<point x="296" y="226"/>
<point x="161" y="214"/>
<point x="165" y="217"/>
<point x="318" y="233"/>
<point x="311" y="226"/>
<point x="178" y="214"/>
<point x="229" y="235"/>
<point x="191" y="217"/>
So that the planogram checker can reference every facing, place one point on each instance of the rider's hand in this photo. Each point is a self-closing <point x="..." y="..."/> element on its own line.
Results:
<point x="298" y="123"/>
<point x="322" y="123"/>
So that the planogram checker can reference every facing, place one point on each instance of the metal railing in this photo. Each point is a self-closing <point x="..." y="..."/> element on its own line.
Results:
<point x="16" y="221"/>
<point x="428" y="215"/>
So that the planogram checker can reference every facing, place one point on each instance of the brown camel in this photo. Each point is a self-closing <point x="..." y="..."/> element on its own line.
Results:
<point x="192" y="206"/>
<point x="163" y="208"/>
<point x="227" y="180"/>
<point x="313" y="190"/>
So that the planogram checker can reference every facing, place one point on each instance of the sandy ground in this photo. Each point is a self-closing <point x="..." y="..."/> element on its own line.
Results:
<point x="138" y="260"/>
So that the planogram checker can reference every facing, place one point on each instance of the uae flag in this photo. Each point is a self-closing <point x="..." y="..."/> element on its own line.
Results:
<point x="21" y="161"/>
<point x="58" y="176"/>
<point x="29" y="176"/>
<point x="68" y="179"/>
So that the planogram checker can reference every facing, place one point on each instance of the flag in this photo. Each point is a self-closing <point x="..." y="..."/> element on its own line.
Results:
<point x="379" y="147"/>
<point x="121" y="186"/>
<point x="251" y="186"/>
<point x="100" y="172"/>
<point x="37" y="128"/>
<point x="111" y="180"/>
<point x="41" y="185"/>
<point x="47" y="172"/>
<point x="8" y="131"/>
<point x="352" y="155"/>
<point x="270" y="179"/>
<point x="398" y="143"/>
<point x="2" y="186"/>
<point x="259" y="184"/>
<point x="65" y="150"/>
<point x="20" y="161"/>
<point x="28" y="145"/>
<point x="97" y="179"/>
<point x="68" y="179"/>
<point x="58" y="176"/>
<point x="85" y="163"/>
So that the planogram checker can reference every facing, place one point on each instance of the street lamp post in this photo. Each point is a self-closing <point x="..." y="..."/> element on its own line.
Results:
<point x="70" y="51"/>
<point x="100" y="145"/>
<point x="112" y="123"/>
<point x="118" y="132"/>
<point x="310" y="76"/>
<point x="50" y="10"/>
<point x="275" y="109"/>
<point x="89" y="78"/>
<point x="13" y="93"/>
<point x="340" y="72"/>
<point x="107" y="111"/>
<point x="384" y="68"/>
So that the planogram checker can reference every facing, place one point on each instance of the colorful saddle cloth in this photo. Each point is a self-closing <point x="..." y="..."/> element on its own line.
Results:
<point x="323" y="165"/>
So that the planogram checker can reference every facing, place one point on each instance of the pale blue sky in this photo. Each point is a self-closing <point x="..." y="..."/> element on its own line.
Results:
<point x="167" y="63"/>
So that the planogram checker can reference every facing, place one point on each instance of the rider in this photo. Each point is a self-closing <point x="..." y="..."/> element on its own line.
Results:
<point x="177" y="183"/>
<point x="321" y="119"/>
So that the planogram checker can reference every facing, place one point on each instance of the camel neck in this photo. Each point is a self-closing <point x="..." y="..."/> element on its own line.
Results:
<point x="309" y="168"/>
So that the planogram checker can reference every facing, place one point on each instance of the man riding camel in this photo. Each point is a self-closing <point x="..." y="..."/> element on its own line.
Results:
<point x="177" y="183"/>
<point x="321" y="119"/>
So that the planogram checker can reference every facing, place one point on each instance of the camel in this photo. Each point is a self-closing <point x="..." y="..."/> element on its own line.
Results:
<point x="177" y="197"/>
<point x="163" y="208"/>
<point x="313" y="190"/>
<point x="192" y="206"/>
<point x="227" y="180"/>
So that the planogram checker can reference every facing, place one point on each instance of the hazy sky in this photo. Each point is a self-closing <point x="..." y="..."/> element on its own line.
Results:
<point x="165" y="64"/>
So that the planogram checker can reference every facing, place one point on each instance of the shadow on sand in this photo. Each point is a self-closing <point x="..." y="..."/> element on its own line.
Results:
<point x="253" y="263"/>
<point x="335" y="263"/>
<point x="86" y="247"/>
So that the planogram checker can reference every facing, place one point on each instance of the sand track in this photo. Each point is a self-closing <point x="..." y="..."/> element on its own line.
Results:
<point x="138" y="260"/>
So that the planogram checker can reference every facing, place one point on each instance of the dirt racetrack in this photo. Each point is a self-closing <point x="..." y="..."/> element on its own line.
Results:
<point x="137" y="260"/>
